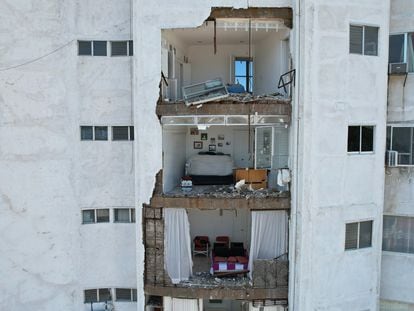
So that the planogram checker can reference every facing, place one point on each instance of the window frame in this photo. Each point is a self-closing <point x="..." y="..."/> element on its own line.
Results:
<point x="95" y="220"/>
<point x="98" y="300"/>
<point x="360" y="139"/>
<point x="130" y="133"/>
<point x="391" y="141"/>
<point x="133" y="298"/>
<point x="108" y="132"/>
<point x="129" y="48"/>
<point x="363" y="25"/>
<point x="248" y="73"/>
<point x="131" y="215"/>
<point x="359" y="234"/>
<point x="411" y="254"/>
<point x="405" y="48"/>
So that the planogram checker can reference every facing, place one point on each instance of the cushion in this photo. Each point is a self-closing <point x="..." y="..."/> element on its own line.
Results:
<point x="242" y="259"/>
<point x="232" y="259"/>
<point x="219" y="259"/>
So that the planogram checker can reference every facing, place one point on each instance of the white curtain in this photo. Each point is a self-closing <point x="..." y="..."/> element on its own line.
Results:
<point x="268" y="237"/>
<point x="176" y="304"/>
<point x="177" y="252"/>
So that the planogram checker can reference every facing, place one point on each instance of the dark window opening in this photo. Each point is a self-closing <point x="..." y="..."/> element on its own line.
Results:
<point x="99" y="48"/>
<point x="120" y="133"/>
<point x="101" y="133"/>
<point x="84" y="48"/>
<point x="86" y="133"/>
<point x="119" y="48"/>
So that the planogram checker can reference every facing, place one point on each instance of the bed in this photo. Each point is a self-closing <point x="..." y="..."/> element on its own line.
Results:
<point x="209" y="168"/>
<point x="229" y="261"/>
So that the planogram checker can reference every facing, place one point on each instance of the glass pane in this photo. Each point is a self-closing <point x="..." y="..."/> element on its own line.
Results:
<point x="105" y="294"/>
<point x="102" y="215"/>
<point x="131" y="132"/>
<point x="237" y="120"/>
<point x="264" y="147"/>
<point x="365" y="234"/>
<point x="355" y="39"/>
<point x="134" y="295"/>
<point x="388" y="145"/>
<point x="210" y="120"/>
<point x="367" y="143"/>
<point x="240" y="68"/>
<point x="88" y="216"/>
<point x="101" y="133"/>
<point x="396" y="49"/>
<point x="120" y="133"/>
<point x="86" y="133"/>
<point x="251" y="69"/>
<point x="242" y="81"/>
<point x="123" y="294"/>
<point x="388" y="233"/>
<point x="401" y="139"/>
<point x="131" y="48"/>
<point x="119" y="48"/>
<point x="99" y="48"/>
<point x="132" y="214"/>
<point x="177" y="120"/>
<point x="351" y="236"/>
<point x="91" y="295"/>
<point x="269" y="119"/>
<point x="353" y="138"/>
<point x="84" y="48"/>
<point x="371" y="41"/>
<point x="410" y="51"/>
<point x="122" y="215"/>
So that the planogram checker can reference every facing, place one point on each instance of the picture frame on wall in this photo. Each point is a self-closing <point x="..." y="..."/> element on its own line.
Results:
<point x="198" y="145"/>
<point x="211" y="147"/>
<point x="220" y="144"/>
<point x="204" y="136"/>
<point x="220" y="136"/>
<point x="194" y="131"/>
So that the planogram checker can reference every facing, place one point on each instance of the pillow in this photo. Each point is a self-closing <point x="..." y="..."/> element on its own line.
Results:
<point x="242" y="259"/>
<point x="232" y="259"/>
<point x="219" y="259"/>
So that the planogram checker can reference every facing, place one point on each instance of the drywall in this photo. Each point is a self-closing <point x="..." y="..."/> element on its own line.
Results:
<point x="268" y="63"/>
<point x="232" y="223"/>
<point x="174" y="157"/>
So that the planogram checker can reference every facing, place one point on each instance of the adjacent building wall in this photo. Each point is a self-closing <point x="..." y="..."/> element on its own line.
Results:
<point x="397" y="268"/>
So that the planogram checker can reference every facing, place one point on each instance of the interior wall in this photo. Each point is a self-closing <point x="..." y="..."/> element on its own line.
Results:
<point x="205" y="65"/>
<point x="174" y="156"/>
<point x="269" y="62"/>
<point x="232" y="223"/>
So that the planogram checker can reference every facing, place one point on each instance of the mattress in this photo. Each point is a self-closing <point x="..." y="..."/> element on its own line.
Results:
<point x="211" y="165"/>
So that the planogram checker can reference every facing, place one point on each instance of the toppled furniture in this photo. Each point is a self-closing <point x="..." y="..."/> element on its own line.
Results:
<point x="201" y="246"/>
<point x="256" y="178"/>
<point x="204" y="92"/>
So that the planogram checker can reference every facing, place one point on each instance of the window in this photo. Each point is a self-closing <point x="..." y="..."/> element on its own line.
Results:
<point x="95" y="48"/>
<point x="91" y="216"/>
<point x="101" y="133"/>
<point x="243" y="73"/>
<point x="124" y="215"/>
<point x="401" y="49"/>
<point x="360" y="138"/>
<point x="86" y="133"/>
<point x="122" y="133"/>
<point x="358" y="235"/>
<point x="126" y="294"/>
<point x="363" y="40"/>
<point x="131" y="48"/>
<point x="97" y="295"/>
<point x="401" y="140"/>
<point x="398" y="234"/>
<point x="121" y="48"/>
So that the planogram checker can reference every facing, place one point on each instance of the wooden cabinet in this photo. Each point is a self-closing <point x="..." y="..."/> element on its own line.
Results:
<point x="257" y="178"/>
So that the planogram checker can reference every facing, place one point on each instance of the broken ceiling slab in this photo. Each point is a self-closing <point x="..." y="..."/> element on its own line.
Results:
<point x="254" y="13"/>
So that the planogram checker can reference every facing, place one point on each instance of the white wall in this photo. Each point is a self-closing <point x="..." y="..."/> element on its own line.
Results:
<point x="269" y="63"/>
<point x="330" y="187"/>
<point x="174" y="155"/>
<point x="235" y="224"/>
<point x="47" y="174"/>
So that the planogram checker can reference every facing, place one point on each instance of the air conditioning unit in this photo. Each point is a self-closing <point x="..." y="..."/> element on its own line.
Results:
<point x="397" y="68"/>
<point x="391" y="158"/>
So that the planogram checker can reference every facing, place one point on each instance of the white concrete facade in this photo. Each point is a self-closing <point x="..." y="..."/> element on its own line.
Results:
<point x="47" y="175"/>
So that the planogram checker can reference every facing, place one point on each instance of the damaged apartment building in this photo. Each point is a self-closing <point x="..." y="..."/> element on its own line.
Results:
<point x="207" y="155"/>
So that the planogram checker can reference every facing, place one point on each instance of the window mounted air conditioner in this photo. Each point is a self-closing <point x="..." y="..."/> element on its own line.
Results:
<point x="397" y="68"/>
<point x="391" y="158"/>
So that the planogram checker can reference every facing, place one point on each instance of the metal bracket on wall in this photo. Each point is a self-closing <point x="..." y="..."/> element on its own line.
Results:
<point x="287" y="79"/>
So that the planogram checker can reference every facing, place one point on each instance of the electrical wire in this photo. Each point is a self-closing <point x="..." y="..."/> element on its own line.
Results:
<point x="37" y="58"/>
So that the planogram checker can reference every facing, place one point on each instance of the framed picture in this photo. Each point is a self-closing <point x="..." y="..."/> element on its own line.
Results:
<point x="211" y="147"/>
<point x="220" y="145"/>
<point x="204" y="136"/>
<point x="193" y="131"/>
<point x="198" y="145"/>
<point x="220" y="136"/>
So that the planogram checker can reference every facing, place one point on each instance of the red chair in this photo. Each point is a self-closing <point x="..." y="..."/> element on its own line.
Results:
<point x="225" y="240"/>
<point x="201" y="245"/>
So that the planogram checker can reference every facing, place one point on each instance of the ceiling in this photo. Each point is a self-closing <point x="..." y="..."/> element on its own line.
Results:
<point x="229" y="32"/>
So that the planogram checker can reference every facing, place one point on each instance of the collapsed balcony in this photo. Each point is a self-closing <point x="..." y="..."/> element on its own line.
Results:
<point x="216" y="254"/>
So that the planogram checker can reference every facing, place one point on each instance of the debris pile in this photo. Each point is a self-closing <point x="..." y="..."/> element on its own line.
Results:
<point x="206" y="280"/>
